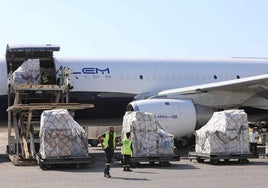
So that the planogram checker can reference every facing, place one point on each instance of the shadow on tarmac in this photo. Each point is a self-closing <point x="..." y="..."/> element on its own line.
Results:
<point x="4" y="158"/>
<point x="131" y="179"/>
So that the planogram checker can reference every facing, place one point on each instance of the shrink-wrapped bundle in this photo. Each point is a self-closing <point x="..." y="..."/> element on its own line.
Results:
<point x="61" y="136"/>
<point x="225" y="133"/>
<point x="148" y="137"/>
<point x="28" y="73"/>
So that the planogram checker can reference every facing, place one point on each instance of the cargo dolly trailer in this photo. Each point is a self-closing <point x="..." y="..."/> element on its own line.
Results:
<point x="77" y="161"/>
<point x="161" y="159"/>
<point x="216" y="158"/>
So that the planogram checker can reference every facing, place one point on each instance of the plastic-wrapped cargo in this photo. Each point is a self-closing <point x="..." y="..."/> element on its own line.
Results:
<point x="28" y="73"/>
<point x="148" y="137"/>
<point x="225" y="133"/>
<point x="61" y="136"/>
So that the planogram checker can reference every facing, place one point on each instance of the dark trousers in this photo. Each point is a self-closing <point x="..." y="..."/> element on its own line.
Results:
<point x="126" y="162"/>
<point x="253" y="148"/>
<point x="109" y="153"/>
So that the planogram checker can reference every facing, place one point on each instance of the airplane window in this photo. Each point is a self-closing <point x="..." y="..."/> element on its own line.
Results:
<point x="167" y="103"/>
<point x="141" y="77"/>
<point x="215" y="77"/>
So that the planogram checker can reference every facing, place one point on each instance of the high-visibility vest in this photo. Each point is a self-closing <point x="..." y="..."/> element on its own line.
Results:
<point x="44" y="78"/>
<point x="106" y="139"/>
<point x="127" y="147"/>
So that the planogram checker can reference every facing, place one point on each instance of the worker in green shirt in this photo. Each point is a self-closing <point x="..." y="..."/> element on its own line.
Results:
<point x="108" y="143"/>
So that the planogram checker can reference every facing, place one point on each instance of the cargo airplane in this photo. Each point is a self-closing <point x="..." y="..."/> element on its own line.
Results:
<point x="183" y="93"/>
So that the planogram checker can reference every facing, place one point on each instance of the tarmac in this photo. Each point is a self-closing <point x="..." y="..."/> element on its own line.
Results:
<point x="183" y="173"/>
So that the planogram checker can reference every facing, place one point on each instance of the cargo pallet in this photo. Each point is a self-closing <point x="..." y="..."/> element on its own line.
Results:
<point x="161" y="159"/>
<point x="77" y="161"/>
<point x="215" y="158"/>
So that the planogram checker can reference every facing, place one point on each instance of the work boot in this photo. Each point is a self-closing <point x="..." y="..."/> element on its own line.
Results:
<point x="125" y="169"/>
<point x="128" y="169"/>
<point x="108" y="176"/>
<point x="105" y="172"/>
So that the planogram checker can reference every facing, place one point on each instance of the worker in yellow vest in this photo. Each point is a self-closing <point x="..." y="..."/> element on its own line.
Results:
<point x="127" y="152"/>
<point x="44" y="78"/>
<point x="108" y="143"/>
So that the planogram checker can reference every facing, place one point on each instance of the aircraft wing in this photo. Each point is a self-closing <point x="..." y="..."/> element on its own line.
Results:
<point x="244" y="92"/>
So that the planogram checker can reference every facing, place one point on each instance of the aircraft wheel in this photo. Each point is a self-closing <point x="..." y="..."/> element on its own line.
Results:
<point x="94" y="143"/>
<point x="178" y="144"/>
<point x="184" y="142"/>
<point x="200" y="160"/>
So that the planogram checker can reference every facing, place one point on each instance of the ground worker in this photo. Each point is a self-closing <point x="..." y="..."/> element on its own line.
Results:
<point x="253" y="136"/>
<point x="127" y="152"/>
<point x="44" y="78"/>
<point x="108" y="143"/>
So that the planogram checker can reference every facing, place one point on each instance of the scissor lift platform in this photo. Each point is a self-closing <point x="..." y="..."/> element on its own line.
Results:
<point x="21" y="146"/>
<point x="24" y="115"/>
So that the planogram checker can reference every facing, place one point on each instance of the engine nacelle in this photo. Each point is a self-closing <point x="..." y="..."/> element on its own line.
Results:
<point x="178" y="117"/>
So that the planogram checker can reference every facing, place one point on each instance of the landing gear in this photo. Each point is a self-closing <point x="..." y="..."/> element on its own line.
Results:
<point x="93" y="143"/>
<point x="200" y="160"/>
<point x="183" y="143"/>
<point x="177" y="144"/>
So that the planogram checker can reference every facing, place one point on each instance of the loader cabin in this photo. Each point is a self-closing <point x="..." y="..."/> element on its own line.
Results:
<point x="16" y="55"/>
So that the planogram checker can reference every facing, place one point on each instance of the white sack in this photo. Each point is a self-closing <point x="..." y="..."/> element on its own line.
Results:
<point x="28" y="73"/>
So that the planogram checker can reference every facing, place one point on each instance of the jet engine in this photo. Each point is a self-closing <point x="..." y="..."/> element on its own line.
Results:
<point x="178" y="117"/>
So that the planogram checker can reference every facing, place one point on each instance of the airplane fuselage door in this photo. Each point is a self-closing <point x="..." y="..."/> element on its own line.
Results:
<point x="16" y="55"/>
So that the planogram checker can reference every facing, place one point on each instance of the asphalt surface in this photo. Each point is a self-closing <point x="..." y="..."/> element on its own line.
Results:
<point x="184" y="173"/>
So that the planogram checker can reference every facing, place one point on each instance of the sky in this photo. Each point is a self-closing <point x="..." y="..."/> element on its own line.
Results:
<point x="139" y="28"/>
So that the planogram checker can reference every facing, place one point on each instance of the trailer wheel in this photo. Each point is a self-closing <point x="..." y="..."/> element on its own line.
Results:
<point x="93" y="143"/>
<point x="243" y="161"/>
<point x="214" y="161"/>
<point x="45" y="166"/>
<point x="200" y="160"/>
<point x="134" y="164"/>
<point x="48" y="166"/>
<point x="164" y="163"/>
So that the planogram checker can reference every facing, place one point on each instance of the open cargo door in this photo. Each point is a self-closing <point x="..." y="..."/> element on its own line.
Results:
<point x="16" y="55"/>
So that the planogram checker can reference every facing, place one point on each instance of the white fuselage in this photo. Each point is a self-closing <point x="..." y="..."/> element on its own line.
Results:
<point x="147" y="76"/>
<point x="112" y="83"/>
